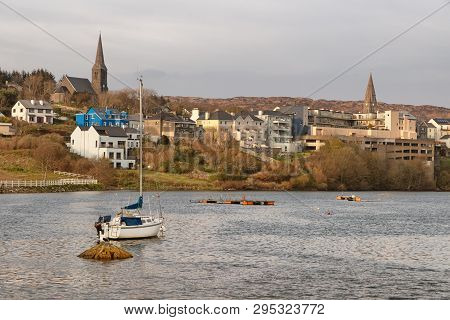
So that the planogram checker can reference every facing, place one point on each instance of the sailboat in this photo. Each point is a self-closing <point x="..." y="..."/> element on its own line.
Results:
<point x="130" y="222"/>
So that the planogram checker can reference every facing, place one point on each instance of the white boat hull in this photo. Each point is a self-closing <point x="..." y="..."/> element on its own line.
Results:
<point x="147" y="230"/>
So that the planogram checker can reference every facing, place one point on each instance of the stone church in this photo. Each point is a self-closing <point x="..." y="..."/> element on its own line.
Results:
<point x="81" y="89"/>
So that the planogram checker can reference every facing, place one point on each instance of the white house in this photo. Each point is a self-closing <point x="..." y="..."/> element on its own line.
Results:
<point x="112" y="143"/>
<point x="33" y="111"/>
<point x="133" y="137"/>
<point x="442" y="128"/>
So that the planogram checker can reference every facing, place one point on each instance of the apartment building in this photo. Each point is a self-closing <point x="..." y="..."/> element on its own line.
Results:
<point x="170" y="125"/>
<point x="249" y="130"/>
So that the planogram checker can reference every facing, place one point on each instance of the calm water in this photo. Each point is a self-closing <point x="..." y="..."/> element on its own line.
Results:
<point x="395" y="246"/>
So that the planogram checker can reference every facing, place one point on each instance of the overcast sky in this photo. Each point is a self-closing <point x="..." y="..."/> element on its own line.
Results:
<point x="229" y="48"/>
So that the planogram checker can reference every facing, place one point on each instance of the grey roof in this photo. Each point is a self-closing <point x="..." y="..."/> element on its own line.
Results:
<point x="292" y="109"/>
<point x="81" y="85"/>
<point x="131" y="130"/>
<point x="27" y="104"/>
<point x="430" y="125"/>
<point x="245" y="114"/>
<point x="407" y="114"/>
<point x="133" y="117"/>
<point x="445" y="137"/>
<point x="442" y="120"/>
<point x="111" y="131"/>
<point x="275" y="113"/>
<point x="218" y="115"/>
<point x="170" y="117"/>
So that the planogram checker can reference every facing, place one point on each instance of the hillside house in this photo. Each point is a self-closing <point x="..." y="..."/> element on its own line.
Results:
<point x="442" y="128"/>
<point x="111" y="143"/>
<point x="33" y="111"/>
<point x="248" y="130"/>
<point x="219" y="121"/>
<point x="170" y="125"/>
<point x="102" y="117"/>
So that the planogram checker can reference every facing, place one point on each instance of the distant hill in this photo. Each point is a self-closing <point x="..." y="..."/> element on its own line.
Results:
<point x="424" y="112"/>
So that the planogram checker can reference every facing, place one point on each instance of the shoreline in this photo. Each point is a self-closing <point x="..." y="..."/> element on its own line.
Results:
<point x="100" y="188"/>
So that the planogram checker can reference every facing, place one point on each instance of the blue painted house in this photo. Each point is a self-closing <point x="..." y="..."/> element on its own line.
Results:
<point x="105" y="117"/>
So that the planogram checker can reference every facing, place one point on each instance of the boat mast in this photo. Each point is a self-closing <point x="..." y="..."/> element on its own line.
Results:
<point x="140" y="136"/>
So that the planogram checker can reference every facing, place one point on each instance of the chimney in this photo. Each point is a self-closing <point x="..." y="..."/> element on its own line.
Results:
<point x="206" y="115"/>
<point x="41" y="102"/>
<point x="32" y="102"/>
<point x="195" y="114"/>
<point x="260" y="113"/>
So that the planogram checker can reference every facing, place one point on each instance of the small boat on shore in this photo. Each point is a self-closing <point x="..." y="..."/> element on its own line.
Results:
<point x="349" y="198"/>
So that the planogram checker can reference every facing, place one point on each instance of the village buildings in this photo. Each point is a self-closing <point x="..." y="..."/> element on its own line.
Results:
<point x="69" y="88"/>
<point x="102" y="116"/>
<point x="112" y="143"/>
<point x="169" y="125"/>
<point x="218" y="121"/>
<point x="249" y="130"/>
<point x="33" y="111"/>
<point x="74" y="88"/>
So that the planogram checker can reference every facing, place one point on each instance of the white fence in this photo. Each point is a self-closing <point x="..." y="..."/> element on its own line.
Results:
<point x="44" y="183"/>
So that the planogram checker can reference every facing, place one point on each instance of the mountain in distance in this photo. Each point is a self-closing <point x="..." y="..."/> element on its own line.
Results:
<point x="422" y="112"/>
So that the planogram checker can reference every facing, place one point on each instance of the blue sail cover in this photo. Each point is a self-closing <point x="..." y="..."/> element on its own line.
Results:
<point x="134" y="206"/>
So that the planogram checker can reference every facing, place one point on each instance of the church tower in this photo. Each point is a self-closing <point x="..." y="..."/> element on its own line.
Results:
<point x="99" y="70"/>
<point x="370" y="101"/>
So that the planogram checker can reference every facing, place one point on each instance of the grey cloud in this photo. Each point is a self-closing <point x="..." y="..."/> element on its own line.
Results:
<point x="230" y="48"/>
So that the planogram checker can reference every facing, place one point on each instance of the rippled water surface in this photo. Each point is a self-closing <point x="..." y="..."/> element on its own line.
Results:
<point x="395" y="245"/>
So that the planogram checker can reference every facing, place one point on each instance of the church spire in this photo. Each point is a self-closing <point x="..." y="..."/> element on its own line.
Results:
<point x="99" y="59"/>
<point x="370" y="101"/>
<point x="99" y="70"/>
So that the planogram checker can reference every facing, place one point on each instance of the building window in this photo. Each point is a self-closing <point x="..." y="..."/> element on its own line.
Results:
<point x="111" y="155"/>
<point x="118" y="165"/>
<point x="118" y="155"/>
<point x="96" y="143"/>
<point x="73" y="142"/>
<point x="21" y="110"/>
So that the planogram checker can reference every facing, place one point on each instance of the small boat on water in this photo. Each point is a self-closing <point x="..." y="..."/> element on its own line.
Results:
<point x="242" y="201"/>
<point x="130" y="222"/>
<point x="349" y="198"/>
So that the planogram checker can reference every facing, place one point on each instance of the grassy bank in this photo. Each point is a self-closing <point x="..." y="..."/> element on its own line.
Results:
<point x="53" y="189"/>
<point x="20" y="165"/>
<point x="129" y="180"/>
